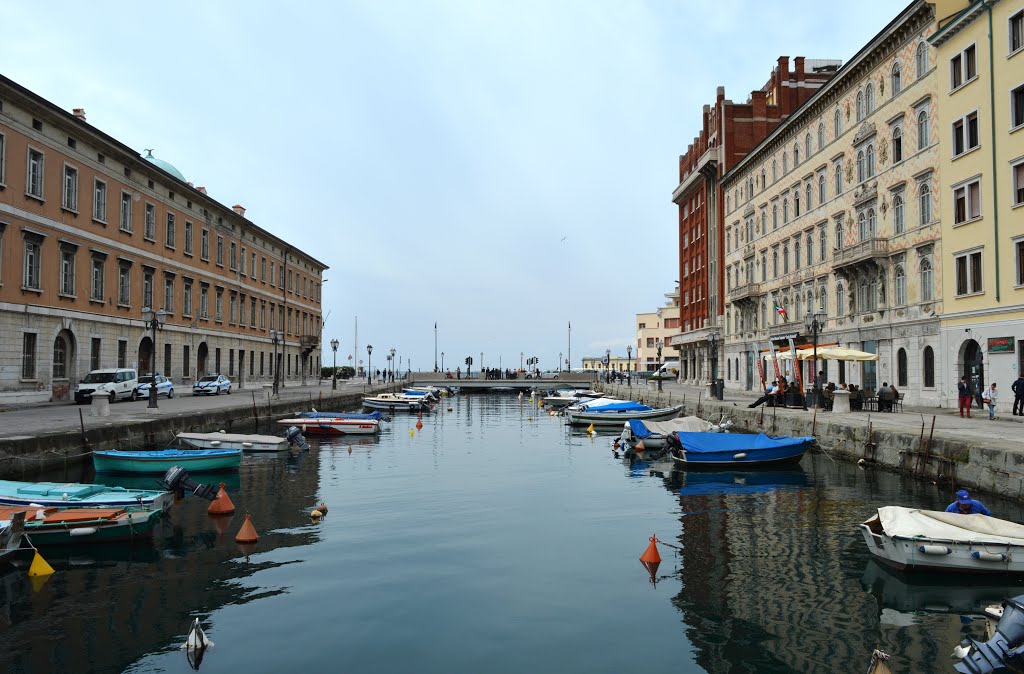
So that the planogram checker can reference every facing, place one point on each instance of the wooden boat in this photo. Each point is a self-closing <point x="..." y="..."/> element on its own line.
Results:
<point x="76" y="495"/>
<point x="243" y="441"/>
<point x="397" y="402"/>
<point x="161" y="460"/>
<point x="718" y="450"/>
<point x="911" y="539"/>
<point x="62" y="526"/>
<point x="333" y="426"/>
<point x="617" y="413"/>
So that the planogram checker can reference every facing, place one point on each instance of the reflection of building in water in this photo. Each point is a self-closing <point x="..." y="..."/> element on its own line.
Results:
<point x="107" y="616"/>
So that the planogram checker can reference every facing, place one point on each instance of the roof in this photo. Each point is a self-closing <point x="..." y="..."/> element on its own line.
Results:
<point x="169" y="168"/>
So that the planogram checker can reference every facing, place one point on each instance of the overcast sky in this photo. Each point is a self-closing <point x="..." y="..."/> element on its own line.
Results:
<point x="501" y="168"/>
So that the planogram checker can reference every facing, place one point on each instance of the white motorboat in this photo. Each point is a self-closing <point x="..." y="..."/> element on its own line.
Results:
<point x="616" y="413"/>
<point x="333" y="425"/>
<point x="570" y="396"/>
<point x="397" y="401"/>
<point x="912" y="539"/>
<point x="243" y="441"/>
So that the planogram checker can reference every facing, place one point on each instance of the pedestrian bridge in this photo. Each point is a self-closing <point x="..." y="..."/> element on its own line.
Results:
<point x="564" y="379"/>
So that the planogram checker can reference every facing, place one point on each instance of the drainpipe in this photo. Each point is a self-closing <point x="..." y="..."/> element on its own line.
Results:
<point x="992" y="127"/>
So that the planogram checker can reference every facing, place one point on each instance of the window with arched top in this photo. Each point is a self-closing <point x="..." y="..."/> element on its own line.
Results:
<point x="810" y="249"/>
<point x="60" y="358"/>
<point x="862" y="296"/>
<point x="807" y="146"/>
<point x="926" y="280"/>
<point x="871" y="161"/>
<point x="775" y="170"/>
<point x="796" y="253"/>
<point x="796" y="204"/>
<point x="869" y="99"/>
<point x="785" y="210"/>
<point x="798" y="308"/>
<point x="860" y="106"/>
<point x="822" y="299"/>
<point x="922" y="130"/>
<point x="841" y="308"/>
<point x="785" y="259"/>
<point x="839" y="178"/>
<point x="901" y="368"/>
<point x="775" y="216"/>
<point x="821" y="135"/>
<point x="837" y="123"/>
<point x="900" y="285"/>
<point x="922" y="59"/>
<point x="796" y="156"/>
<point x="785" y="163"/>
<point x="924" y="203"/>
<point x="763" y="182"/>
<point x="839" y="234"/>
<point x="897" y="145"/>
<point x="895" y="80"/>
<point x="872" y="224"/>
<point x="807" y="188"/>
<point x="897" y="214"/>
<point x="861" y="176"/>
<point x="928" y="363"/>
<point x="821" y="189"/>
<point x="764" y="315"/>
<point x="862" y="224"/>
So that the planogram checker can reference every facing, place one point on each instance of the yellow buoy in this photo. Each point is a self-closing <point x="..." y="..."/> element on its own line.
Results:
<point x="39" y="566"/>
<point x="590" y="428"/>
<point x="412" y="432"/>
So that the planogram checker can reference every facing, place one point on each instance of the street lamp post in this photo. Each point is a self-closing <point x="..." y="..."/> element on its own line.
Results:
<point x="369" y="363"/>
<point x="661" y="375"/>
<point x="713" y="350"/>
<point x="559" y="361"/>
<point x="442" y="361"/>
<point x="153" y="322"/>
<point x="274" y="338"/>
<point x="608" y="365"/>
<point x="392" y="352"/>
<point x="334" y="374"/>
<point x="520" y="360"/>
<point x="629" y="364"/>
<point x="815" y="322"/>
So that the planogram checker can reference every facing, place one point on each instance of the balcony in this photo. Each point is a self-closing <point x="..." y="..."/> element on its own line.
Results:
<point x="748" y="292"/>
<point x="309" y="342"/>
<point x="865" y="253"/>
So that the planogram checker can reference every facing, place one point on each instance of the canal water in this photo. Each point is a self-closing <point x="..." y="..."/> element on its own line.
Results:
<point x="495" y="540"/>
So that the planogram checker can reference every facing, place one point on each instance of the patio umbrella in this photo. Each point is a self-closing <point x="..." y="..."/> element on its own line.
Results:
<point x="841" y="353"/>
<point x="782" y="355"/>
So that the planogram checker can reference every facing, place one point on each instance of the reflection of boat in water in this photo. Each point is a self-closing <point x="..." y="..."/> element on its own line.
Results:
<point x="935" y="592"/>
<point x="718" y="483"/>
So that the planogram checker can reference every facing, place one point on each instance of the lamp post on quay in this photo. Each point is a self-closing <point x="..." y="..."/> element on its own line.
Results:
<point x="815" y="322"/>
<point x="153" y="322"/>
<point x="442" y="361"/>
<point x="629" y="364"/>
<point x="559" y="361"/>
<point x="392" y="352"/>
<point x="334" y="374"/>
<point x="369" y="364"/>
<point x="661" y="375"/>
<point x="275" y="337"/>
<point x="608" y="366"/>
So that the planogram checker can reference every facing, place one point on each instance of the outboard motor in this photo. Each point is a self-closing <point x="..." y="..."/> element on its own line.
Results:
<point x="295" y="438"/>
<point x="1004" y="650"/>
<point x="177" y="480"/>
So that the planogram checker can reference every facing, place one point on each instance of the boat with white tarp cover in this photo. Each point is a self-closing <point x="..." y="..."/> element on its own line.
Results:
<point x="913" y="539"/>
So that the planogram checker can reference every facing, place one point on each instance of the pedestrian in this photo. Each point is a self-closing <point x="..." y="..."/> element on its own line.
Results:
<point x="1018" y="395"/>
<point x="767" y="397"/>
<point x="965" y="505"/>
<point x="990" y="396"/>
<point x="964" y="395"/>
<point x="458" y="373"/>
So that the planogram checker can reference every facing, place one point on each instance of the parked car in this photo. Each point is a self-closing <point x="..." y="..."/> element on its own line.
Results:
<point x="164" y="386"/>
<point x="212" y="384"/>
<point x="112" y="382"/>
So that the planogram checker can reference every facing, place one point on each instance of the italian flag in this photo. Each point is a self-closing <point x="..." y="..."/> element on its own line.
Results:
<point x="780" y="311"/>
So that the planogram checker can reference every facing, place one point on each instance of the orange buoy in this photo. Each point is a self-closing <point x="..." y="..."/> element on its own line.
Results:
<point x="651" y="555"/>
<point x="419" y="424"/>
<point x="247" y="534"/>
<point x="221" y="505"/>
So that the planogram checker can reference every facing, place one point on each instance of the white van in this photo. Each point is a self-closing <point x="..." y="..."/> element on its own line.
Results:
<point x="670" y="370"/>
<point x="112" y="382"/>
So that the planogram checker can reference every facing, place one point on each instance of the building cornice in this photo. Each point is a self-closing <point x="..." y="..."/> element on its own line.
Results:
<point x="960" y="22"/>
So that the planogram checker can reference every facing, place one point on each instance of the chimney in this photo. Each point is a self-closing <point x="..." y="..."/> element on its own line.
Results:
<point x="238" y="208"/>
<point x="79" y="113"/>
<point x="201" y="189"/>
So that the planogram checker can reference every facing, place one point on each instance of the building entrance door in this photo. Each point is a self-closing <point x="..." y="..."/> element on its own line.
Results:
<point x="974" y="368"/>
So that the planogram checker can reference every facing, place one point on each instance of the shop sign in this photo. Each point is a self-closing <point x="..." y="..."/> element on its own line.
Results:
<point x="1000" y="344"/>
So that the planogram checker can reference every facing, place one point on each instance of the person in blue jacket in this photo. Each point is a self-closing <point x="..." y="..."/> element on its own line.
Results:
<point x="965" y="505"/>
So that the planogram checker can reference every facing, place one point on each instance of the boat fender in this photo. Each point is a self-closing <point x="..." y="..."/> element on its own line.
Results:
<point x="83" y="531"/>
<point x="740" y="456"/>
<point x="983" y="556"/>
<point x="215" y="443"/>
<point x="934" y="549"/>
<point x="247" y="445"/>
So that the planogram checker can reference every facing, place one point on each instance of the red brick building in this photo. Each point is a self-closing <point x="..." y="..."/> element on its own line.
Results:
<point x="729" y="131"/>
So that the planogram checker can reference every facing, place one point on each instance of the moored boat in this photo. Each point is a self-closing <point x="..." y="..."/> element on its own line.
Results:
<point x="911" y="539"/>
<point x="333" y="425"/>
<point x="696" y="450"/>
<point x="77" y="495"/>
<point x="616" y="414"/>
<point x="161" y="460"/>
<point x="376" y="415"/>
<point x="247" y="442"/>
<point x="397" y="402"/>
<point x="655" y="433"/>
<point x="61" y="526"/>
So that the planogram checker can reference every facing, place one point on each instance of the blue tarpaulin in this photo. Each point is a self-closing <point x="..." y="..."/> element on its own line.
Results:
<point x="637" y="428"/>
<point x="708" y="443"/>
<point x="627" y="406"/>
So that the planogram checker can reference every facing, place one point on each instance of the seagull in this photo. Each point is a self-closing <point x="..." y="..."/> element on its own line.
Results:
<point x="564" y="238"/>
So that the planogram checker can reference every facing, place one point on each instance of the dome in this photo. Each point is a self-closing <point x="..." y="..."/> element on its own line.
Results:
<point x="160" y="163"/>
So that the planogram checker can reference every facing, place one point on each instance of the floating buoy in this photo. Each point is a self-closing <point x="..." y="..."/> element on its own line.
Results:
<point x="196" y="639"/>
<point x="39" y="566"/>
<point x="651" y="553"/>
<point x="419" y="424"/>
<point x="590" y="428"/>
<point x="540" y="403"/>
<point x="247" y="534"/>
<point x="411" y="432"/>
<point x="221" y="505"/>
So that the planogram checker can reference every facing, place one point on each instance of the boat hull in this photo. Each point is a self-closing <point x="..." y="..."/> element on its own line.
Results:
<point x="396" y="405"/>
<point x="223" y="441"/>
<point x="924" y="554"/>
<point x="616" y="419"/>
<point x="194" y="460"/>
<point x="75" y="495"/>
<point x="133" y="526"/>
<point x="729" y="450"/>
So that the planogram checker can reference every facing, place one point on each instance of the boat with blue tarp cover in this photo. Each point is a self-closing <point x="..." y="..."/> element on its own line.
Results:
<point x="76" y="495"/>
<point x="616" y="413"/>
<point x="695" y="450"/>
<point x="161" y="460"/>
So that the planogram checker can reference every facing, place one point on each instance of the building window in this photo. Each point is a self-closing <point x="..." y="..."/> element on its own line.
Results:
<point x="147" y="289"/>
<point x="28" y="355"/>
<point x="764" y="266"/>
<point x="169" y="233"/>
<point x="869" y="99"/>
<point x="785" y="259"/>
<point x="252" y="312"/>
<point x="188" y="238"/>
<point x="169" y="295"/>
<point x="1017" y="32"/>
<point x="963" y="67"/>
<point x="60" y="358"/>
<point x="967" y="268"/>
<point x="860" y="106"/>
<point x="124" y="285"/>
<point x="821" y="137"/>
<point x="785" y="162"/>
<point x="220" y="251"/>
<point x="861" y="176"/>
<point x="871" y="223"/>
<point x="900" y="285"/>
<point x="839" y="177"/>
<point x="219" y="306"/>
<point x="1018" y="183"/>
<point x="241" y="262"/>
<point x="901" y="368"/>
<point x="822" y="299"/>
<point x="232" y="308"/>
<point x="186" y="299"/>
<point x="862" y="222"/>
<point x="922" y="59"/>
<point x="823" y="243"/>
<point x="149" y="227"/>
<point x="126" y="212"/>
<point x="1017" y="107"/>
<point x="871" y="161"/>
<point x="967" y="202"/>
<point x="204" y="245"/>
<point x="929" y="367"/>
<point x="897" y="145"/>
<point x="796" y="156"/>
<point x="204" y="302"/>
<point x="122" y="352"/>
<point x="821" y="189"/>
<point x="922" y="130"/>
<point x="839" y="234"/>
<point x="897" y="214"/>
<point x="252" y="266"/>
<point x="67" y="270"/>
<point x="796" y="252"/>
<point x="965" y="134"/>
<point x="775" y="215"/>
<point x="98" y="270"/>
<point x="926" y="280"/>
<point x="810" y="249"/>
<point x="233" y="257"/>
<point x="99" y="201"/>
<point x="924" y="202"/>
<point x="186" y="368"/>
<point x="3" y="154"/>
<point x="840" y="299"/>
<point x="895" y="82"/>
<point x="796" y="203"/>
<point x="70" y="198"/>
<point x="94" y="353"/>
<point x="837" y="124"/>
<point x="33" y="262"/>
<point x="34" y="181"/>
<point x="1018" y="254"/>
<point x="775" y="263"/>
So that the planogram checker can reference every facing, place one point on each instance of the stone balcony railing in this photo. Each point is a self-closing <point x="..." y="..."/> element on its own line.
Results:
<point x="745" y="292"/>
<point x="857" y="254"/>
<point x="309" y="342"/>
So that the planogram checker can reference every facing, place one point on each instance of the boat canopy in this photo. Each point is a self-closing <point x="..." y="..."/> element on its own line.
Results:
<point x="625" y="406"/>
<point x="644" y="429"/>
<point x="901" y="522"/>
<point x="712" y="443"/>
